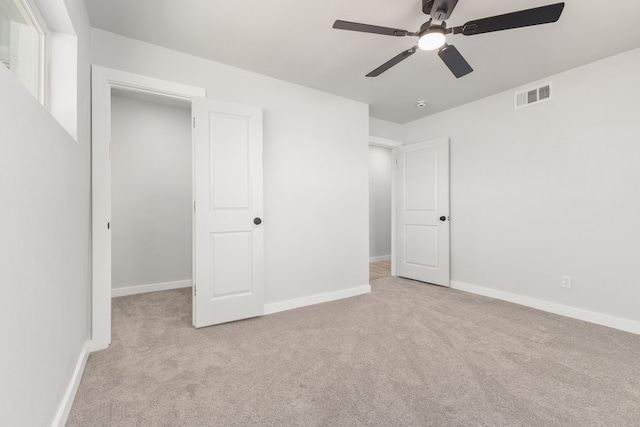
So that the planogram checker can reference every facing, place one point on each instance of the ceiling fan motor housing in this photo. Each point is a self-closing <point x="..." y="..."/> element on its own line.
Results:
<point x="438" y="10"/>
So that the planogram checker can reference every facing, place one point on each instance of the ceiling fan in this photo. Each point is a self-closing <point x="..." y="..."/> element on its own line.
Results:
<point x="432" y="34"/>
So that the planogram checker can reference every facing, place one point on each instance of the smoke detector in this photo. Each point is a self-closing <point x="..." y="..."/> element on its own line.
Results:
<point x="421" y="104"/>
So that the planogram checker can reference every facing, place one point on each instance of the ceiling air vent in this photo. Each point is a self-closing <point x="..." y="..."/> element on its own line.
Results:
<point x="533" y="96"/>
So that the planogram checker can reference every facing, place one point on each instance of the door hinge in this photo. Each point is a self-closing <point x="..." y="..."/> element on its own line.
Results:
<point x="194" y="205"/>
<point x="194" y="122"/>
<point x="194" y="290"/>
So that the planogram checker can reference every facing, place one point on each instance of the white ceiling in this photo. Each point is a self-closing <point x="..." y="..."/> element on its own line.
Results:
<point x="293" y="40"/>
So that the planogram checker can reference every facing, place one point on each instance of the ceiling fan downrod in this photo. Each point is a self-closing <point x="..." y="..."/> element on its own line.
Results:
<point x="438" y="10"/>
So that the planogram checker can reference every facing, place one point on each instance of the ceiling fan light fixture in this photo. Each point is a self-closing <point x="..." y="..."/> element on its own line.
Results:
<point x="432" y="39"/>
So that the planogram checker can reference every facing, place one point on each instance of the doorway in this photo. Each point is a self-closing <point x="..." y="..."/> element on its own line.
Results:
<point x="151" y="191"/>
<point x="227" y="201"/>
<point x="380" y="206"/>
<point x="104" y="82"/>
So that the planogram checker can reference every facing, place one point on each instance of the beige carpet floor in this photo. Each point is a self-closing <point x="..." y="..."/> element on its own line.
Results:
<point x="408" y="354"/>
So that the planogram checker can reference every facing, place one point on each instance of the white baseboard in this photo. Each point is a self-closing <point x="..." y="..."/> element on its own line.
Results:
<point x="154" y="287"/>
<point x="380" y="258"/>
<point x="277" y="307"/>
<point x="67" y="401"/>
<point x="93" y="347"/>
<point x="551" y="307"/>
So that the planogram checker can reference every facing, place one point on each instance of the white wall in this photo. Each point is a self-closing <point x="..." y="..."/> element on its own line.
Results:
<point x="379" y="202"/>
<point x="151" y="192"/>
<point x="44" y="248"/>
<point x="315" y="166"/>
<point x="550" y="190"/>
<point x="386" y="130"/>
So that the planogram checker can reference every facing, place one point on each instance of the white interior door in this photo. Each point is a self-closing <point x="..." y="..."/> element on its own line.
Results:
<point x="228" y="235"/>
<point x="422" y="211"/>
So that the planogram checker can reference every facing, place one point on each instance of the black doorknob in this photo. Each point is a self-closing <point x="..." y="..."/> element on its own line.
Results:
<point x="443" y="218"/>
<point x="257" y="221"/>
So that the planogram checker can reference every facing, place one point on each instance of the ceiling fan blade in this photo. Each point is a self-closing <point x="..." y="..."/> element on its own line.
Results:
<point x="393" y="61"/>
<point x="454" y="60"/>
<point x="366" y="28"/>
<point x="522" y="18"/>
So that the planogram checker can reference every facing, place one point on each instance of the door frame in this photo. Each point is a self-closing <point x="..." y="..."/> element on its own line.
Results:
<point x="103" y="80"/>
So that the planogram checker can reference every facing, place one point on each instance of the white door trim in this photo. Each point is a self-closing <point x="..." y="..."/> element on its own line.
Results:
<point x="394" y="182"/>
<point x="103" y="80"/>
<point x="383" y="142"/>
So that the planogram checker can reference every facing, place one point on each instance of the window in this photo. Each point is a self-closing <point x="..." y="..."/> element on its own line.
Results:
<point x="22" y="44"/>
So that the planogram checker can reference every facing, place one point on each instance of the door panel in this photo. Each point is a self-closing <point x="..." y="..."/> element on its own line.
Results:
<point x="421" y="245"/>
<point x="420" y="180"/>
<point x="228" y="245"/>
<point x="422" y="198"/>
<point x="231" y="256"/>
<point x="230" y="161"/>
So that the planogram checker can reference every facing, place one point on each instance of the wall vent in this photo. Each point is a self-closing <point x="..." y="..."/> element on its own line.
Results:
<point x="532" y="96"/>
